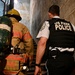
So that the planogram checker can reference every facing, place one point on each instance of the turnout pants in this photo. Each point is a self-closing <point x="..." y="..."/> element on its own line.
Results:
<point x="63" y="64"/>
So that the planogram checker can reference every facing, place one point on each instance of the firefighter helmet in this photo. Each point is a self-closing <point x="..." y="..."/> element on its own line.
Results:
<point x="14" y="13"/>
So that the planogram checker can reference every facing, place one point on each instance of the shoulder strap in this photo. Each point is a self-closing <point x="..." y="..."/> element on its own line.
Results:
<point x="53" y="20"/>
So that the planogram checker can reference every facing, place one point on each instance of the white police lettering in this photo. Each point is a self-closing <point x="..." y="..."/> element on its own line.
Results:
<point x="62" y="26"/>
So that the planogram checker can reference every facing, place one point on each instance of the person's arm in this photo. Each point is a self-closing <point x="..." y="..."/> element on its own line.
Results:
<point x="29" y="47"/>
<point x="40" y="52"/>
<point x="42" y="36"/>
<point x="28" y="42"/>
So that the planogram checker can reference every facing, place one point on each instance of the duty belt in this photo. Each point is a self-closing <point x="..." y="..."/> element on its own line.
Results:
<point x="55" y="53"/>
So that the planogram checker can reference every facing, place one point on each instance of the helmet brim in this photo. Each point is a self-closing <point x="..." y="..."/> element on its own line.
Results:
<point x="15" y="16"/>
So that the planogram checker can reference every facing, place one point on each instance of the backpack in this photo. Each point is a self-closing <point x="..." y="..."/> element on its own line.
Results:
<point x="5" y="35"/>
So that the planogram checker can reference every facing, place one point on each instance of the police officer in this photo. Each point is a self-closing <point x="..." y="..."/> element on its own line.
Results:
<point x="57" y="37"/>
<point x="21" y="37"/>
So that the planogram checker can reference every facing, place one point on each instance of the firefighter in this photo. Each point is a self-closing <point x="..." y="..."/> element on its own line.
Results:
<point x="21" y="36"/>
<point x="5" y="34"/>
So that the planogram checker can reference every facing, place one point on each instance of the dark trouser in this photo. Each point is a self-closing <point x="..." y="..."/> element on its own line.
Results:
<point x="62" y="65"/>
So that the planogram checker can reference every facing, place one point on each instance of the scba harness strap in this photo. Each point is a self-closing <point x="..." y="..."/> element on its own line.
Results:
<point x="19" y="48"/>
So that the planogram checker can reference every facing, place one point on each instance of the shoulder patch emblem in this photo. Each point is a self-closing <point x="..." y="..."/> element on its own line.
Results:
<point x="43" y="27"/>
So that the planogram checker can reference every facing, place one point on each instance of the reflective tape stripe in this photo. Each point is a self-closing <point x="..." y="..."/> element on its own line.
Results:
<point x="17" y="34"/>
<point x="4" y="26"/>
<point x="62" y="49"/>
<point x="27" y="36"/>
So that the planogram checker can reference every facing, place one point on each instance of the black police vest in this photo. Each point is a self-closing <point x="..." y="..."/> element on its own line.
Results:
<point x="61" y="34"/>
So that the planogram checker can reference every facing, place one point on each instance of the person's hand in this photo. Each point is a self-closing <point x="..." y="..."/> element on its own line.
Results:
<point x="37" y="71"/>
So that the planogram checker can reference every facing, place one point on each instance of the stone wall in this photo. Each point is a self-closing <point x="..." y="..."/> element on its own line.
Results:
<point x="39" y="12"/>
<point x="67" y="10"/>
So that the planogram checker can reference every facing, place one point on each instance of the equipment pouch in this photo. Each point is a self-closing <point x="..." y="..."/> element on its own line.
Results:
<point x="53" y="52"/>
